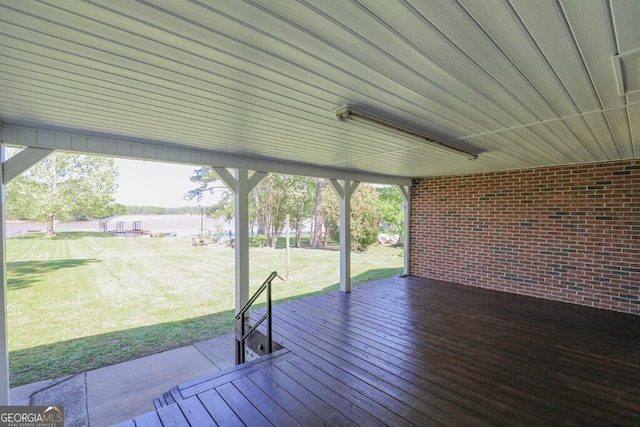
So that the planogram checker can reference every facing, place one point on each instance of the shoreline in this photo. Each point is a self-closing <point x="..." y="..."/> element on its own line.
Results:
<point x="182" y="225"/>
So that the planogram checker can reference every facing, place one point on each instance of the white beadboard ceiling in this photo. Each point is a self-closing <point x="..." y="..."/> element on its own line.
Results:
<point x="523" y="83"/>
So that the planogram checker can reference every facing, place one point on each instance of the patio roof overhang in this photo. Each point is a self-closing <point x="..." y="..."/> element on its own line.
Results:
<point x="520" y="83"/>
<point x="254" y="85"/>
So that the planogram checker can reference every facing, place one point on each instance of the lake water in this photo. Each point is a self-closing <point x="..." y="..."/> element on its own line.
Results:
<point x="182" y="225"/>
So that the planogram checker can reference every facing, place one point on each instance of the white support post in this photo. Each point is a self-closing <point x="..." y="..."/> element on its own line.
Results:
<point x="406" y="195"/>
<point x="242" y="239"/>
<point x="4" y="344"/>
<point x="344" y="190"/>
<point x="241" y="185"/>
<point x="10" y="169"/>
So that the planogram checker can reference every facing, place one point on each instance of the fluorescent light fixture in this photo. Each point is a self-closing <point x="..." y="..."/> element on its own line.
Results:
<point x="349" y="114"/>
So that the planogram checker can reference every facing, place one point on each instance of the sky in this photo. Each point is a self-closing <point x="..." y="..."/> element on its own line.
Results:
<point x="145" y="183"/>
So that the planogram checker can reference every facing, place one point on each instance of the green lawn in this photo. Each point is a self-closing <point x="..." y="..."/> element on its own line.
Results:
<point x="84" y="300"/>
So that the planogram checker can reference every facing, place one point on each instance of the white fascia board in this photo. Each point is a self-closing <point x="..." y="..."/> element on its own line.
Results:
<point x="83" y="143"/>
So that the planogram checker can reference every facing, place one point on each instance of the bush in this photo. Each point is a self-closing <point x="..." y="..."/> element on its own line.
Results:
<point x="260" y="240"/>
<point x="364" y="217"/>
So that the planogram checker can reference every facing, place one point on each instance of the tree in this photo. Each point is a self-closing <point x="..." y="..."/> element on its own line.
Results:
<point x="63" y="186"/>
<point x="299" y="201"/>
<point x="391" y="209"/>
<point x="209" y="183"/>
<point x="278" y="195"/>
<point x="331" y="215"/>
<point x="316" y="239"/>
<point x="225" y="209"/>
<point x="364" y="216"/>
<point x="269" y="198"/>
<point x="118" y="209"/>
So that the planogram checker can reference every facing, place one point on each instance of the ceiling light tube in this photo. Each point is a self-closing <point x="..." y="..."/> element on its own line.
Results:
<point x="348" y="114"/>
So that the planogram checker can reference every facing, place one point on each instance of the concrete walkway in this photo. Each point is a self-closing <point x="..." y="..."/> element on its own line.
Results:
<point x="112" y="394"/>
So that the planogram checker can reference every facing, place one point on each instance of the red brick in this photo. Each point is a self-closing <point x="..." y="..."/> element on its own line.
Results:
<point x="533" y="232"/>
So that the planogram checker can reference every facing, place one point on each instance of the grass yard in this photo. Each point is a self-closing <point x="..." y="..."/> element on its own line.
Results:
<point x="83" y="300"/>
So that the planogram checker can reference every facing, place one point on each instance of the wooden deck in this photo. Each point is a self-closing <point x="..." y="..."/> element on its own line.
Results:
<point x="410" y="351"/>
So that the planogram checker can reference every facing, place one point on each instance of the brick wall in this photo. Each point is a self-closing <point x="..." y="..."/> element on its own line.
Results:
<point x="568" y="233"/>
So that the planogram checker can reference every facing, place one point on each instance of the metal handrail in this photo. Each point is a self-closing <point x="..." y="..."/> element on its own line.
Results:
<point x="240" y="357"/>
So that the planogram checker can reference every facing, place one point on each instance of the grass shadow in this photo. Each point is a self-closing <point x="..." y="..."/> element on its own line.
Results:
<point x="22" y="274"/>
<point x="77" y="235"/>
<point x="62" y="235"/>
<point x="30" y="236"/>
<point x="93" y="352"/>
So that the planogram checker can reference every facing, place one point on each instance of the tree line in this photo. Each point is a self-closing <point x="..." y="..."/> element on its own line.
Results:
<point x="157" y="210"/>
<point x="308" y="202"/>
<point x="67" y="187"/>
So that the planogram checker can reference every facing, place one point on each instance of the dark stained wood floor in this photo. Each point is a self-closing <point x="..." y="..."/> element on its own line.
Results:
<point x="410" y="351"/>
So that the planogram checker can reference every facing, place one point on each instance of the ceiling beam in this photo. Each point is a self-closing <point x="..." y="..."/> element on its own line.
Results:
<point x="129" y="149"/>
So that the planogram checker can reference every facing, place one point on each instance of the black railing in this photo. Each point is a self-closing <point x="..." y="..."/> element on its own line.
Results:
<point x="241" y="316"/>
